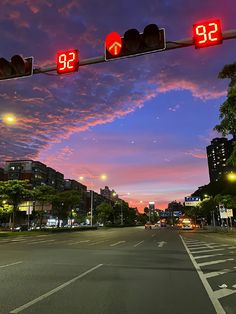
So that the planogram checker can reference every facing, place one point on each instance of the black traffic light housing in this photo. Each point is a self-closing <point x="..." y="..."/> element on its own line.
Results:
<point x="17" y="67"/>
<point x="135" y="43"/>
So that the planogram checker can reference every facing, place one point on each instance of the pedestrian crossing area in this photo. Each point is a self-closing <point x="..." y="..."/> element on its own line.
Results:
<point x="216" y="267"/>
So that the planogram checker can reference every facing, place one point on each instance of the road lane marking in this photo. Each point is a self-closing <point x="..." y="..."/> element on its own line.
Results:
<point x="207" y="251"/>
<point x="83" y="241"/>
<point x="49" y="293"/>
<point x="206" y="256"/>
<point x="161" y="243"/>
<point x="221" y="293"/>
<point x="98" y="242"/>
<point x="12" y="264"/>
<point x="138" y="243"/>
<point x="218" y="307"/>
<point x="210" y="247"/>
<point x="215" y="262"/>
<point x="38" y="242"/>
<point x="218" y="273"/>
<point x="119" y="242"/>
<point x="195" y="245"/>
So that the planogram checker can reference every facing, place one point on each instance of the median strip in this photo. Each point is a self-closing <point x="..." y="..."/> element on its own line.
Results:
<point x="49" y="293"/>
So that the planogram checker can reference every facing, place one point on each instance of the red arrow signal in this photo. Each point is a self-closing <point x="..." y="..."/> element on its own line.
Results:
<point x="113" y="43"/>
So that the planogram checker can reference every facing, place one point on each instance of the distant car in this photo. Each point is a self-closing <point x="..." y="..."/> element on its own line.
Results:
<point x="187" y="227"/>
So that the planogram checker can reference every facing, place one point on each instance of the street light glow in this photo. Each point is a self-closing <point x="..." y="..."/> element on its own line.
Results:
<point x="9" y="118"/>
<point x="231" y="176"/>
<point x="103" y="177"/>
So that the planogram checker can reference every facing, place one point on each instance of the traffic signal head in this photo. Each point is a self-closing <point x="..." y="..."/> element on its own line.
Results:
<point x="18" y="67"/>
<point x="134" y="43"/>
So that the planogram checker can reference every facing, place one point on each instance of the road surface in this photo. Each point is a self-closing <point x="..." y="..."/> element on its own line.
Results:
<point x="118" y="271"/>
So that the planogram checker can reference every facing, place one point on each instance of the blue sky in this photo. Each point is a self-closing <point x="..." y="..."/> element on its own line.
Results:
<point x="143" y="121"/>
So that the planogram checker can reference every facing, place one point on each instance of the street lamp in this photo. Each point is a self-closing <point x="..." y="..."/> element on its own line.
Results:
<point x="121" y="207"/>
<point x="102" y="177"/>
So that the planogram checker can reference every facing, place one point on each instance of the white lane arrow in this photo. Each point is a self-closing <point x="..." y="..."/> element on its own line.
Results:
<point x="161" y="244"/>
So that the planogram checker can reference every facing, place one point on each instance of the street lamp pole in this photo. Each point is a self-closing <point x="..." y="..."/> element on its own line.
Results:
<point x="91" y="208"/>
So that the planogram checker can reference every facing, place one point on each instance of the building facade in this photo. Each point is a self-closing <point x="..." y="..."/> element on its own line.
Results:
<point x="34" y="171"/>
<point x="217" y="154"/>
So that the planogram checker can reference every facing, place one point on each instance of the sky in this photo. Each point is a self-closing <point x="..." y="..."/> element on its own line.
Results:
<point x="145" y="122"/>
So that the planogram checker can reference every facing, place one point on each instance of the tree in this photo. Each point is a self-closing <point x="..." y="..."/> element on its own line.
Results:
<point x="227" y="116"/>
<point x="105" y="213"/>
<point x="15" y="192"/>
<point x="70" y="200"/>
<point x="43" y="195"/>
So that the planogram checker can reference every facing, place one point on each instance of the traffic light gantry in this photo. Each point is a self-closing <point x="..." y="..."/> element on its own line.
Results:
<point x="17" y="67"/>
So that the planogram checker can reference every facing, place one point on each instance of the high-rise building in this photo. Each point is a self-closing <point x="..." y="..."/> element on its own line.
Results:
<point x="109" y="194"/>
<point x="217" y="154"/>
<point x="34" y="171"/>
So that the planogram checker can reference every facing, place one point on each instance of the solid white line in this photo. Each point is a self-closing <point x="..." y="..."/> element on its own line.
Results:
<point x="206" y="256"/>
<point x="119" y="242"/>
<point x="2" y="266"/>
<point x="218" y="307"/>
<point x="138" y="243"/>
<point x="46" y="295"/>
<point x="215" y="262"/>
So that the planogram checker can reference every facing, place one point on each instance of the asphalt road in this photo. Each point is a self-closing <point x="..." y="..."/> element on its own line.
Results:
<point x="118" y="271"/>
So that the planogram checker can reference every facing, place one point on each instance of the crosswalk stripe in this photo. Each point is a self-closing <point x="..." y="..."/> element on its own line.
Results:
<point x="215" y="262"/>
<point x="206" y="256"/>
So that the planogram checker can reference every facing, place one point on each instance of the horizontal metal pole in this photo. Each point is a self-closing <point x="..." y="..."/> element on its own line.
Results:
<point x="229" y="34"/>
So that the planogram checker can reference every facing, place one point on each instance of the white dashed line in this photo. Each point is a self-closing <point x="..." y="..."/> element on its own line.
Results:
<point x="119" y="242"/>
<point x="12" y="264"/>
<point x="138" y="243"/>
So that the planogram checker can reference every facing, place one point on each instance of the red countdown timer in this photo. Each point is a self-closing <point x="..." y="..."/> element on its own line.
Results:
<point x="207" y="34"/>
<point x="67" y="61"/>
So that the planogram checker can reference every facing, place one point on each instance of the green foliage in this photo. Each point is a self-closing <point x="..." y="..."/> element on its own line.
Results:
<point x="228" y="200"/>
<point x="14" y="192"/>
<point x="105" y="213"/>
<point x="43" y="195"/>
<point x="227" y="125"/>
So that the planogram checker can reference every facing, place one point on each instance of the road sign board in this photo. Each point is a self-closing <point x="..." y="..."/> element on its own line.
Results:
<point x="223" y="211"/>
<point x="230" y="212"/>
<point x="192" y="201"/>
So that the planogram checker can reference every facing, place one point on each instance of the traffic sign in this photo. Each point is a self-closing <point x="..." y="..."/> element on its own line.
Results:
<point x="192" y="200"/>
<point x="230" y="212"/>
<point x="223" y="211"/>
